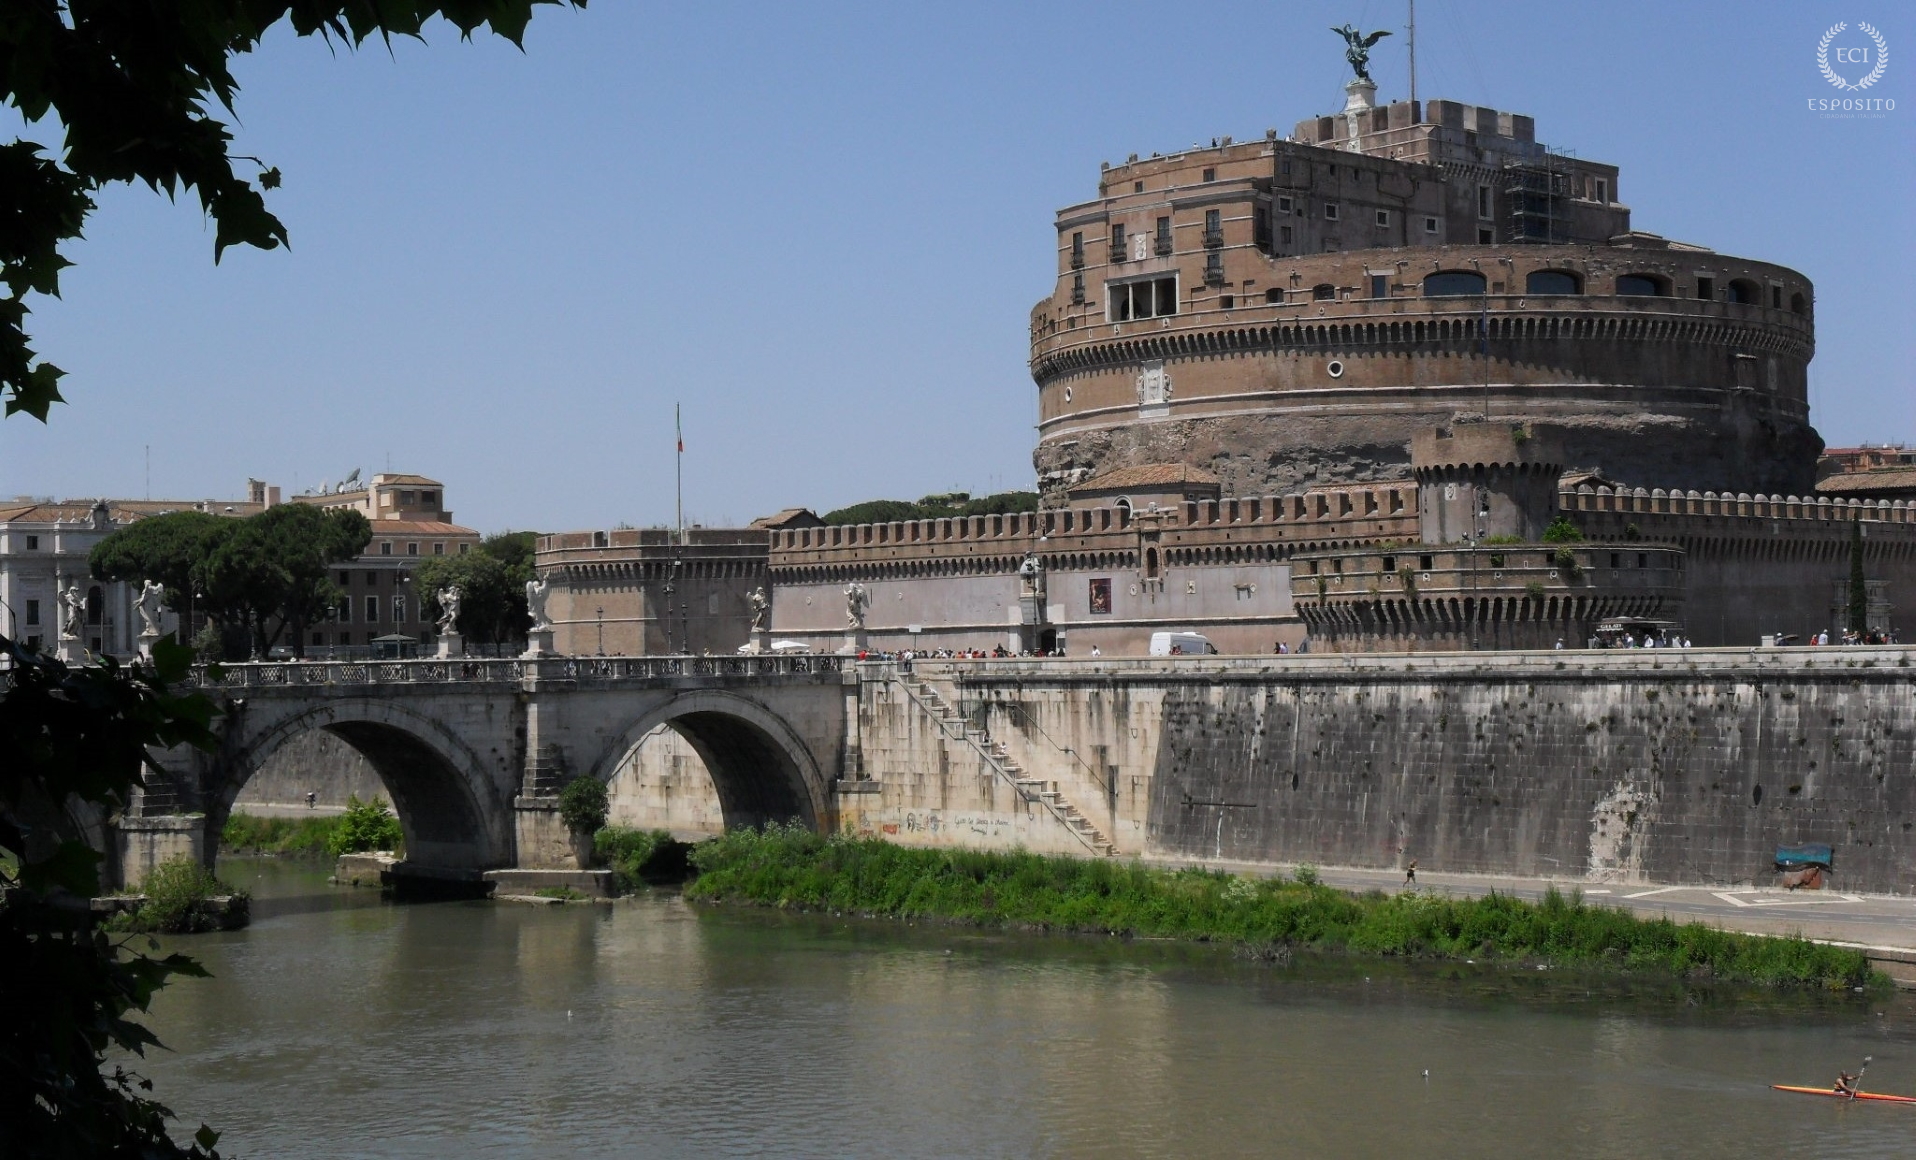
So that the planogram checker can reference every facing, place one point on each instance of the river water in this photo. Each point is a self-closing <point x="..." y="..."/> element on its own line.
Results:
<point x="341" y="1025"/>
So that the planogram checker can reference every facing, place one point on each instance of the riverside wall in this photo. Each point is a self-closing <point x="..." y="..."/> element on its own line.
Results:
<point x="1667" y="766"/>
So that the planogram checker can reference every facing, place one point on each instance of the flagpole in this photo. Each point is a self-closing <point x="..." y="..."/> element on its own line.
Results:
<point x="678" y="431"/>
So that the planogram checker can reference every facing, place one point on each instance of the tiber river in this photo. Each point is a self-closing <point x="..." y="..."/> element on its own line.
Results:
<point x="340" y="1025"/>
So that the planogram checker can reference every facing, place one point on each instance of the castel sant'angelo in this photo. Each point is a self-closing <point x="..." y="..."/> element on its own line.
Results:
<point x="1332" y="390"/>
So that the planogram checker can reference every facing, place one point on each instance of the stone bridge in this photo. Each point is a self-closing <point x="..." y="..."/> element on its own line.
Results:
<point x="1672" y="766"/>
<point x="474" y="752"/>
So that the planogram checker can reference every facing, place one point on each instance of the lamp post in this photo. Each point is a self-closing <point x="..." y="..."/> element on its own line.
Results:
<point x="601" y="611"/>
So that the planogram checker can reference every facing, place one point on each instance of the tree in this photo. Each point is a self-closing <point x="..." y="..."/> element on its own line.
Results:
<point x="1858" y="582"/>
<point x="164" y="548"/>
<point x="485" y="595"/>
<point x="262" y="575"/>
<point x="1562" y="531"/>
<point x="78" y="737"/>
<point x="131" y="86"/>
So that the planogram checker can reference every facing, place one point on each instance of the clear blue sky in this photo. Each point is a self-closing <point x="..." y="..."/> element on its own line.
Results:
<point x="822" y="227"/>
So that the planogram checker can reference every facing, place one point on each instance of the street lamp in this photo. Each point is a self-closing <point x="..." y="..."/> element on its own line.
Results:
<point x="601" y="630"/>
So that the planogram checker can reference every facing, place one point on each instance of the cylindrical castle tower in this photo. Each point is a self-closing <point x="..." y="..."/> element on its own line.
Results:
<point x="1288" y="312"/>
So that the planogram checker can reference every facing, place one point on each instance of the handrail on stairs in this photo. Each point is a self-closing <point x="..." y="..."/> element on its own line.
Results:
<point x="992" y="760"/>
<point x="1096" y="779"/>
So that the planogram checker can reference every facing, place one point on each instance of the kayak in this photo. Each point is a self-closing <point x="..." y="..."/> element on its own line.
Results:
<point x="1823" y="1091"/>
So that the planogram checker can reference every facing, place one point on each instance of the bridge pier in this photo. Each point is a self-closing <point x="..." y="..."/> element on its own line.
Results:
<point x="142" y="843"/>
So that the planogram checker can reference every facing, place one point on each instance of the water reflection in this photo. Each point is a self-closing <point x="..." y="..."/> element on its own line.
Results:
<point x="650" y="1029"/>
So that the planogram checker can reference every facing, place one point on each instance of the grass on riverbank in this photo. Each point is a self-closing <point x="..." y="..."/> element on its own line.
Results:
<point x="797" y="869"/>
<point x="292" y="837"/>
<point x="641" y="857"/>
<point x="364" y="826"/>
<point x="181" y="898"/>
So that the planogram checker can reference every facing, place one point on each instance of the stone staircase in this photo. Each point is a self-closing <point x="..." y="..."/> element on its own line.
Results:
<point x="952" y="724"/>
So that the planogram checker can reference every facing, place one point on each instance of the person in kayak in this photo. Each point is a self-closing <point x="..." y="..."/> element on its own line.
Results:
<point x="1845" y="1084"/>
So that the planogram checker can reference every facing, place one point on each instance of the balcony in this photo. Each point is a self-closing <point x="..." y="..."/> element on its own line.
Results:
<point x="1163" y="248"/>
<point x="1118" y="254"/>
<point x="1214" y="271"/>
<point x="1213" y="239"/>
<point x="1077" y="259"/>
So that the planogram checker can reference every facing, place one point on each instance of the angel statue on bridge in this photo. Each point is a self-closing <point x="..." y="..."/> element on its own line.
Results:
<point x="1357" y="48"/>
<point x="449" y="609"/>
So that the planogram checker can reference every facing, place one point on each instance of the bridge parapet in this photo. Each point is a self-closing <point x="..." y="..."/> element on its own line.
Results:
<point x="479" y="671"/>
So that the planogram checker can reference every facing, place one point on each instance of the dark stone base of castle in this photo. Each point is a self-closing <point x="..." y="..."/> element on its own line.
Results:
<point x="1671" y="776"/>
<point x="1744" y="447"/>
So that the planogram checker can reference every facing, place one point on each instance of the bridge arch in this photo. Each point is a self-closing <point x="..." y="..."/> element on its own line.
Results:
<point x="438" y="784"/>
<point x="761" y="768"/>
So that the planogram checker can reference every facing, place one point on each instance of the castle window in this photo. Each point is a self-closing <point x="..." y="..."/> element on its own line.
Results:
<point x="372" y="610"/>
<point x="1603" y="190"/>
<point x="1261" y="228"/>
<point x="1797" y="306"/>
<point x="1483" y="202"/>
<point x="385" y="547"/>
<point x="1213" y="227"/>
<point x="1389" y="565"/>
<point x="412" y="549"/>
<point x="1383" y="218"/>
<point x="1744" y="292"/>
<point x="1484" y="237"/>
<point x="1642" y="286"/>
<point x="1776" y="297"/>
<point x="1284" y="233"/>
<point x="33" y="612"/>
<point x="1144" y="298"/>
<point x="1210" y="175"/>
<point x="1077" y="289"/>
<point x="1430" y="225"/>
<point x="1323" y="292"/>
<point x="429" y="498"/>
<point x="1117" y="243"/>
<point x="439" y="548"/>
<point x="1705" y="288"/>
<point x="1380" y="286"/>
<point x="1163" y="243"/>
<point x="33" y="542"/>
<point x="1273" y="295"/>
<point x="1214" y="269"/>
<point x="1077" y="250"/>
<point x="1137" y="187"/>
<point x="464" y="548"/>
<point x="1423" y="563"/>
<point x="1453" y="283"/>
<point x="1330" y="211"/>
<point x="1552" y="282"/>
<point x="1284" y="204"/>
<point x="1226" y="301"/>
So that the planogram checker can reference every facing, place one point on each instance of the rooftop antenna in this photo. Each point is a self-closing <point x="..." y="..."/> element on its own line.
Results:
<point x="1413" y="59"/>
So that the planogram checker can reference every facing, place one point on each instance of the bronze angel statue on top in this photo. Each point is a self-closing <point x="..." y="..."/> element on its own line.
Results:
<point x="1357" y="48"/>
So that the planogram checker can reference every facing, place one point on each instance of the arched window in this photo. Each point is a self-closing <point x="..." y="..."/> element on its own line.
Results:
<point x="1642" y="286"/>
<point x="95" y="605"/>
<point x="1744" y="291"/>
<point x="1453" y="283"/>
<point x="1150" y="563"/>
<point x="1274" y="295"/>
<point x="1323" y="290"/>
<point x="1552" y="282"/>
<point x="1798" y="305"/>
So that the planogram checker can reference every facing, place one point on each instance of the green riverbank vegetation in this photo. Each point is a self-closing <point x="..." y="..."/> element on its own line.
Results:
<point x="364" y="826"/>
<point x="793" y="868"/>
<point x="641" y="857"/>
<point x="183" y="897"/>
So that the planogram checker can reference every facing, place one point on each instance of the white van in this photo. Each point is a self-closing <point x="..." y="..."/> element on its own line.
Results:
<point x="1173" y="644"/>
